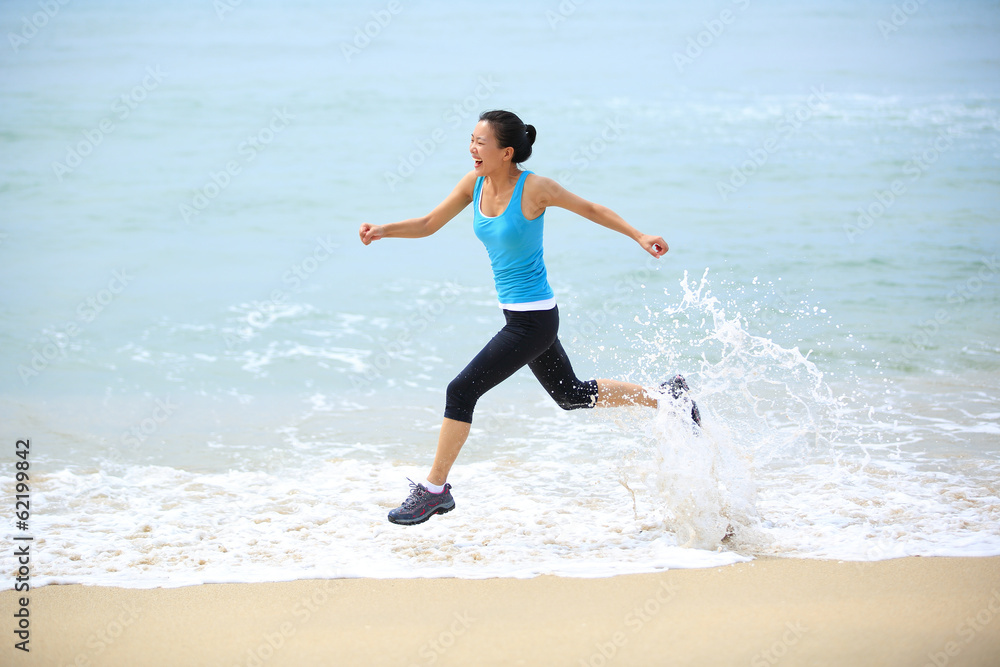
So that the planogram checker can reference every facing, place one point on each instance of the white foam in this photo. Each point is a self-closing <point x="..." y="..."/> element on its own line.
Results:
<point x="792" y="468"/>
<point x="157" y="526"/>
<point x="784" y="463"/>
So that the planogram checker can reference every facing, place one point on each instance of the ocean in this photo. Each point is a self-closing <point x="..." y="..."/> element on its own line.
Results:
<point x="219" y="382"/>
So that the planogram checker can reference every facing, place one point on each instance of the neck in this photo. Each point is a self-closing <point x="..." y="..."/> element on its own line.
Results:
<point x="504" y="176"/>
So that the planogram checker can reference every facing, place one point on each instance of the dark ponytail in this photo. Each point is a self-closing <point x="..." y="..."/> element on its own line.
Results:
<point x="509" y="130"/>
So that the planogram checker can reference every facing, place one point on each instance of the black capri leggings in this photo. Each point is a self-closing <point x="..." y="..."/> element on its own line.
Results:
<point x="529" y="337"/>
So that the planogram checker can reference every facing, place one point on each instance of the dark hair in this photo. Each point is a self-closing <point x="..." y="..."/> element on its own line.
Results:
<point x="509" y="130"/>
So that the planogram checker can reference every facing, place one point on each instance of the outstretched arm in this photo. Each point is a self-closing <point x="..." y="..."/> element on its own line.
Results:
<point x="549" y="193"/>
<point x="416" y="228"/>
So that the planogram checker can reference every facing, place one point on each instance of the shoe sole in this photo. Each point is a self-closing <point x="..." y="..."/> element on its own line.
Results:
<point x="695" y="414"/>
<point x="679" y="386"/>
<point x="437" y="510"/>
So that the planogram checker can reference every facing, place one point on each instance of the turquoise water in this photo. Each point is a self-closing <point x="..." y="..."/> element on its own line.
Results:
<point x="186" y="304"/>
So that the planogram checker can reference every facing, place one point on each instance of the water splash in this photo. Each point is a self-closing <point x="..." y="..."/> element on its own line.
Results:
<point x="761" y="403"/>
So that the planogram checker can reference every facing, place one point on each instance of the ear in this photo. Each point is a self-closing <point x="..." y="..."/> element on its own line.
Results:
<point x="508" y="153"/>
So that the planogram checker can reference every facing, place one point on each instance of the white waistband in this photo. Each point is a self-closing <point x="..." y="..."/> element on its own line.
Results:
<point x="547" y="304"/>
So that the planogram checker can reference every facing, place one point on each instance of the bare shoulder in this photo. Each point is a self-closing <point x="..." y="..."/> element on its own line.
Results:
<point x="541" y="190"/>
<point x="464" y="189"/>
<point x="468" y="184"/>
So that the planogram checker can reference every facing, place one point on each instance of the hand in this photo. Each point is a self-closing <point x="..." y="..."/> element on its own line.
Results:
<point x="654" y="245"/>
<point x="370" y="232"/>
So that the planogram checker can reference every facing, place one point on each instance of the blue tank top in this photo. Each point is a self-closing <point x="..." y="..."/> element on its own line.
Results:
<point x="514" y="245"/>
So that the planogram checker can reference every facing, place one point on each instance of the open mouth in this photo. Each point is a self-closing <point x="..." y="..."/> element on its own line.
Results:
<point x="478" y="163"/>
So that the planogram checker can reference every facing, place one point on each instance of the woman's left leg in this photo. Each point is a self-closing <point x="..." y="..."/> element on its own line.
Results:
<point x="615" y="393"/>
<point x="555" y="372"/>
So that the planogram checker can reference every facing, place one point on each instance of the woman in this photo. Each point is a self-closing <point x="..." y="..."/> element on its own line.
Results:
<point x="510" y="206"/>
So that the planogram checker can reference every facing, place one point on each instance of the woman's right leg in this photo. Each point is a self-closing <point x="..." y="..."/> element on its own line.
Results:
<point x="522" y="339"/>
<point x="453" y="435"/>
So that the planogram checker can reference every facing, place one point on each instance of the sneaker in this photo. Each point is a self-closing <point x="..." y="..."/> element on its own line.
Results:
<point x="679" y="387"/>
<point x="422" y="505"/>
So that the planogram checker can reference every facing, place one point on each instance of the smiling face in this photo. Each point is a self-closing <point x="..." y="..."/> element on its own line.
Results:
<point x="487" y="156"/>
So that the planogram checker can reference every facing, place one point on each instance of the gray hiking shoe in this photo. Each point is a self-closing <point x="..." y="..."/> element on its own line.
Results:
<point x="679" y="387"/>
<point x="422" y="505"/>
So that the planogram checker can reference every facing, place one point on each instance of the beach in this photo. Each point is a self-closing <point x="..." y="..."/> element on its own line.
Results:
<point x="771" y="611"/>
<point x="212" y="393"/>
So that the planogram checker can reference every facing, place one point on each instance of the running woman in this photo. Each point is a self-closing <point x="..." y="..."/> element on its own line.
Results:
<point x="509" y="211"/>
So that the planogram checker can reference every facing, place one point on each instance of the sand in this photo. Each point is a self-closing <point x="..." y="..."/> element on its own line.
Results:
<point x="911" y="611"/>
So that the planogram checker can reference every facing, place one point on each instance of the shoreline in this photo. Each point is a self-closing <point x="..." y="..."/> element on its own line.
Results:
<point x="908" y="611"/>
